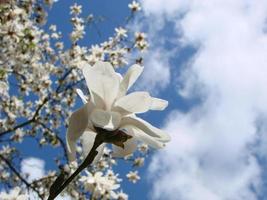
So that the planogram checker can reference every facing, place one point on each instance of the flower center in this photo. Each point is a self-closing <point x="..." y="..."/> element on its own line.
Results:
<point x="108" y="120"/>
<point x="116" y="137"/>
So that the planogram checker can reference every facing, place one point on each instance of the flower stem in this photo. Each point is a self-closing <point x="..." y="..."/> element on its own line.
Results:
<point x="59" y="185"/>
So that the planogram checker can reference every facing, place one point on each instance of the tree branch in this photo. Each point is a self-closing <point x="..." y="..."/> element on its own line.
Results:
<point x="59" y="185"/>
<point x="116" y="137"/>
<point x="35" y="115"/>
<point x="12" y="168"/>
<point x="58" y="138"/>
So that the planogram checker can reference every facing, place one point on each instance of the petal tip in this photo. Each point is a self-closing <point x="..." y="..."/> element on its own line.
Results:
<point x="158" y="104"/>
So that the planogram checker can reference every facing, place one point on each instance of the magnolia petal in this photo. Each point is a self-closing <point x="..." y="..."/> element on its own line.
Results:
<point x="78" y="122"/>
<point x="129" y="79"/>
<point x="119" y="76"/>
<point x="158" y="104"/>
<point x="103" y="83"/>
<point x="97" y="100"/>
<point x="82" y="96"/>
<point x="145" y="127"/>
<point x="87" y="140"/>
<point x="136" y="102"/>
<point x="143" y="137"/>
<point x="105" y="119"/>
<point x="129" y="147"/>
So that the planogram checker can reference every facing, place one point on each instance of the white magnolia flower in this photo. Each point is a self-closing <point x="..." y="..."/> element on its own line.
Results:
<point x="133" y="176"/>
<point x="122" y="196"/>
<point x="143" y="148"/>
<point x="138" y="162"/>
<point x="99" y="184"/>
<point x="134" y="6"/>
<point x="53" y="28"/>
<point x="121" y="32"/>
<point x="76" y="9"/>
<point x="3" y="87"/>
<point x="111" y="109"/>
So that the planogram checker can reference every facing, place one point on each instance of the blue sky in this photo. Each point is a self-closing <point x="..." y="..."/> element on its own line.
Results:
<point x="208" y="59"/>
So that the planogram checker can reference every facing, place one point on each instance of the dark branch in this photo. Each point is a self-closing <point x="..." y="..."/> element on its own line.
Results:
<point x="14" y="170"/>
<point x="57" y="137"/>
<point x="59" y="185"/>
<point x="116" y="137"/>
<point x="36" y="113"/>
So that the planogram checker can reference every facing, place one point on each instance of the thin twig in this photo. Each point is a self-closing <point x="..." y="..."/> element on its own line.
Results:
<point x="9" y="164"/>
<point x="57" y="137"/>
<point x="16" y="127"/>
<point x="33" y="119"/>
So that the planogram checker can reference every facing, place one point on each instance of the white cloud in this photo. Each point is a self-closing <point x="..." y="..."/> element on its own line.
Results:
<point x="161" y="7"/>
<point x="156" y="75"/>
<point x="33" y="168"/>
<point x="213" y="153"/>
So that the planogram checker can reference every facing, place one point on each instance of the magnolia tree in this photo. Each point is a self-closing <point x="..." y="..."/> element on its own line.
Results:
<point x="40" y="83"/>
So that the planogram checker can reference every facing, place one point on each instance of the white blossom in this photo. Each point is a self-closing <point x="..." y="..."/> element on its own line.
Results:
<point x="134" y="6"/>
<point x="138" y="162"/>
<point x="111" y="109"/>
<point x="133" y="176"/>
<point x="76" y="9"/>
<point x="3" y="88"/>
<point x="143" y="148"/>
<point x="140" y="41"/>
<point x="78" y="32"/>
<point x="14" y="194"/>
<point x="121" y="32"/>
<point x="122" y="196"/>
<point x="100" y="185"/>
